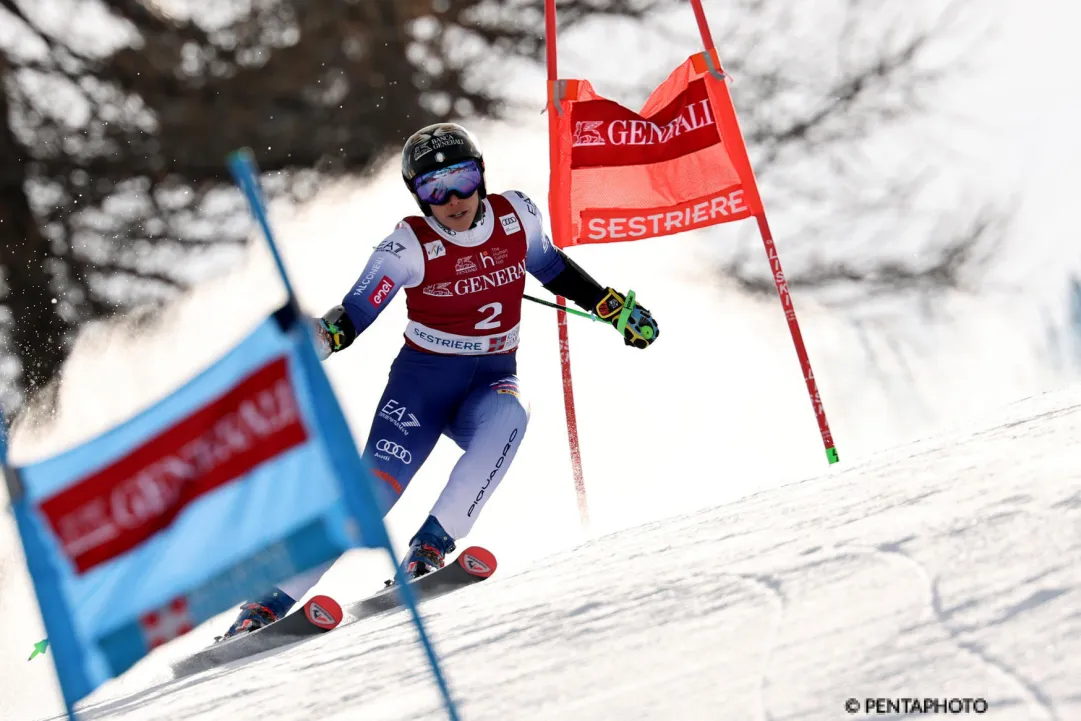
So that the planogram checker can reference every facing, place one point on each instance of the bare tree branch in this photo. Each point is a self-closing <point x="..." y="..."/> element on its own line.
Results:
<point x="957" y="259"/>
<point x="118" y="167"/>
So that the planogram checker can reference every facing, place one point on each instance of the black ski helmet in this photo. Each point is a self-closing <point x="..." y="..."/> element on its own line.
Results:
<point x="437" y="146"/>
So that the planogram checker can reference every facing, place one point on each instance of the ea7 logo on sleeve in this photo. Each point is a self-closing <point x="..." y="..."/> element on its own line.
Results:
<point x="510" y="223"/>
<point x="434" y="249"/>
<point x="528" y="203"/>
<point x="382" y="291"/>
<point x="390" y="246"/>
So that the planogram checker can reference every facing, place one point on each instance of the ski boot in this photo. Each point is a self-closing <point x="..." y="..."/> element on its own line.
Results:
<point x="262" y="612"/>
<point x="427" y="550"/>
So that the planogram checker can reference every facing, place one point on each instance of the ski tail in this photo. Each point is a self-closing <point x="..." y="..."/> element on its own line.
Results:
<point x="477" y="561"/>
<point x="323" y="611"/>
<point x="320" y="614"/>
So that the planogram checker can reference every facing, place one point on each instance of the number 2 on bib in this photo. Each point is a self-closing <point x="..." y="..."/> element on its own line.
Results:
<point x="489" y="322"/>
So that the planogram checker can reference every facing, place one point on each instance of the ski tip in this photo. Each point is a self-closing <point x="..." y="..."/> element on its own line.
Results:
<point x="323" y="611"/>
<point x="477" y="561"/>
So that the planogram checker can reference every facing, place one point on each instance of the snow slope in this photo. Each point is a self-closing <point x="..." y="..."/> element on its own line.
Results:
<point x="717" y="407"/>
<point x="946" y="568"/>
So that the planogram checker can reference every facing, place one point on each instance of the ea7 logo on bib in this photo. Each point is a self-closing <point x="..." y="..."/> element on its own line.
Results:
<point x="434" y="249"/>
<point x="510" y="223"/>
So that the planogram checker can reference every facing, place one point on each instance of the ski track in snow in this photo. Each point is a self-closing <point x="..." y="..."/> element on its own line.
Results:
<point x="771" y="587"/>
<point x="1027" y="687"/>
<point x="945" y="568"/>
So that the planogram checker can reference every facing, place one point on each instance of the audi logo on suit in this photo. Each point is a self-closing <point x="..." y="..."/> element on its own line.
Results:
<point x="393" y="449"/>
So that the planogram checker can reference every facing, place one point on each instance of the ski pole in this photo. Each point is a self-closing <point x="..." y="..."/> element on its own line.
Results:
<point x="628" y="306"/>
<point x="591" y="316"/>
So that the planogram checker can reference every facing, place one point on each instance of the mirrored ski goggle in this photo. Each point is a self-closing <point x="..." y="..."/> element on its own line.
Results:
<point x="461" y="179"/>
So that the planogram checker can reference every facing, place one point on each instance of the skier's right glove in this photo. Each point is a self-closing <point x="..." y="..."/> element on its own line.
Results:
<point x="333" y="332"/>
<point x="640" y="331"/>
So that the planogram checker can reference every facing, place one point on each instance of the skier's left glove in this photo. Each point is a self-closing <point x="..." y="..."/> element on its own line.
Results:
<point x="641" y="330"/>
<point x="333" y="332"/>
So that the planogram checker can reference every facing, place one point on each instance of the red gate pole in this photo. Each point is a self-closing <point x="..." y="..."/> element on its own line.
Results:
<point x="561" y="315"/>
<point x="775" y="264"/>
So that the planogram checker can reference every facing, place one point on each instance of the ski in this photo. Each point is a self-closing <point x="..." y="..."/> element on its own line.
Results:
<point x="321" y="613"/>
<point x="318" y="615"/>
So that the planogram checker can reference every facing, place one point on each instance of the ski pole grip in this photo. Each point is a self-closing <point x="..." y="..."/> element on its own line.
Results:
<point x="628" y="307"/>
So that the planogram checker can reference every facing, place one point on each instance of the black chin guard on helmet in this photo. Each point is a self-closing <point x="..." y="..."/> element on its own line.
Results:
<point x="437" y="146"/>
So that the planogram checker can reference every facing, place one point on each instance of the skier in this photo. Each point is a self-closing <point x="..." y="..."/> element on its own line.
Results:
<point x="462" y="265"/>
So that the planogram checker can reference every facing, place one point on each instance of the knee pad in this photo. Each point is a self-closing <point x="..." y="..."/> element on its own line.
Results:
<point x="509" y="400"/>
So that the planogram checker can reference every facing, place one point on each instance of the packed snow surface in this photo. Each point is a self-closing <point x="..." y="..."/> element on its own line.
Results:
<point x="947" y="568"/>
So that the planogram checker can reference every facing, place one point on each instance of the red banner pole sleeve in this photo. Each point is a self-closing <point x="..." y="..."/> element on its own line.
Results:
<point x="550" y="39"/>
<point x="572" y="419"/>
<point x="554" y="211"/>
<point x="703" y="25"/>
<point x="739" y="152"/>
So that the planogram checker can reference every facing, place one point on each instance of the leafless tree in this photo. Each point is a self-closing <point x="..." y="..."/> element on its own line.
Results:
<point x="113" y="191"/>
<point x="838" y="103"/>
<point x="113" y="138"/>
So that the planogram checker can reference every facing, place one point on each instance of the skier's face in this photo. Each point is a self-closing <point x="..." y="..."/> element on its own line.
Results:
<point x="457" y="214"/>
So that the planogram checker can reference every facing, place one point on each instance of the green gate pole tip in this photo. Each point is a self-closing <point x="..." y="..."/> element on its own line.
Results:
<point x="39" y="648"/>
<point x="831" y="454"/>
